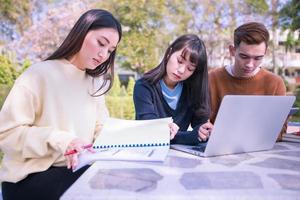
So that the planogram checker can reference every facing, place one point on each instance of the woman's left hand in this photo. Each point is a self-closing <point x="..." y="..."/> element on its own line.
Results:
<point x="205" y="130"/>
<point x="173" y="130"/>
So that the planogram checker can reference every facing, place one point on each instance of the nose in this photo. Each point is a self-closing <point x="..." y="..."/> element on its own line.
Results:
<point x="103" y="53"/>
<point x="181" y="69"/>
<point x="250" y="62"/>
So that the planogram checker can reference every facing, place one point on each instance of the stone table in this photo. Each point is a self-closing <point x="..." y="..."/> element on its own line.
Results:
<point x="273" y="174"/>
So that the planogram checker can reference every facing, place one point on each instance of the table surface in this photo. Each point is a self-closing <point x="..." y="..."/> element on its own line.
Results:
<point x="273" y="174"/>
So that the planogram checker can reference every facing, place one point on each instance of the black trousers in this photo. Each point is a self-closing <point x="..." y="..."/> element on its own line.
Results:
<point x="49" y="184"/>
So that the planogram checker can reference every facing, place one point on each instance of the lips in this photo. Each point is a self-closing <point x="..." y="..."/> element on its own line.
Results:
<point x="96" y="61"/>
<point x="177" y="76"/>
<point x="248" y="71"/>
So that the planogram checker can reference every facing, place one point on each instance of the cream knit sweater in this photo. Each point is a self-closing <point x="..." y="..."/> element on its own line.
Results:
<point x="49" y="105"/>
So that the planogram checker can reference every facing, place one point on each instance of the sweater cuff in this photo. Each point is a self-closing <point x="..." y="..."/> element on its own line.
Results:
<point x="186" y="137"/>
<point x="60" y="140"/>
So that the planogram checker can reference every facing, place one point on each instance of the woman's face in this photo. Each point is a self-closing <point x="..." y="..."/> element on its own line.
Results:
<point x="96" y="48"/>
<point x="179" y="68"/>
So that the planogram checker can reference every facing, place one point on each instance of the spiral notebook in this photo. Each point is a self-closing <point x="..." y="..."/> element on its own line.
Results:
<point x="120" y="133"/>
<point x="130" y="140"/>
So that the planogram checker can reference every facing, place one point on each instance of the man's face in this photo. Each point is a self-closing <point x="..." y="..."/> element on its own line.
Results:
<point x="248" y="57"/>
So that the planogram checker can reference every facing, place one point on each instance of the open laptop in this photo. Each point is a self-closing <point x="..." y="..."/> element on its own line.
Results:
<point x="244" y="123"/>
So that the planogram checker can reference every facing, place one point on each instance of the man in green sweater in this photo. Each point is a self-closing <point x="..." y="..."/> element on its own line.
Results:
<point x="245" y="76"/>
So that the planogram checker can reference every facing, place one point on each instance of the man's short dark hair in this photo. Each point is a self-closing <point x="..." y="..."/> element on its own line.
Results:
<point x="251" y="33"/>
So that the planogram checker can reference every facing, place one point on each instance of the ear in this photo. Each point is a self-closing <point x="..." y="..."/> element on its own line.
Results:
<point x="232" y="50"/>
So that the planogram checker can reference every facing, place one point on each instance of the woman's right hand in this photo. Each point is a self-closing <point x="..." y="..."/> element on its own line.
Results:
<point x="173" y="130"/>
<point x="77" y="145"/>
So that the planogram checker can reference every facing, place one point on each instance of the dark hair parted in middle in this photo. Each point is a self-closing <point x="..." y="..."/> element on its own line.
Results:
<point x="197" y="84"/>
<point x="91" y="20"/>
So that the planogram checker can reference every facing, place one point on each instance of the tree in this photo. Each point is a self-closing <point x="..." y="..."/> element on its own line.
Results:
<point x="146" y="28"/>
<point x="42" y="38"/>
<point x="289" y="15"/>
<point x="17" y="12"/>
<point x="290" y="20"/>
<point x="257" y="6"/>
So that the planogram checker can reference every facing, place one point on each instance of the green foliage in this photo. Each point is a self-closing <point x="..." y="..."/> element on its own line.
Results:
<point x="296" y="116"/>
<point x="120" y="107"/>
<point x="130" y="86"/>
<point x="258" y="6"/>
<point x="119" y="100"/>
<point x="123" y="92"/>
<point x="4" y="90"/>
<point x="8" y="72"/>
<point x="291" y="42"/>
<point x="289" y="15"/>
<point x="290" y="20"/>
<point x="25" y="65"/>
<point x="145" y="32"/>
<point x="116" y="87"/>
<point x="18" y="12"/>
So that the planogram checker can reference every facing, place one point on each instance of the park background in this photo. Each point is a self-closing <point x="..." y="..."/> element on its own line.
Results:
<point x="30" y="30"/>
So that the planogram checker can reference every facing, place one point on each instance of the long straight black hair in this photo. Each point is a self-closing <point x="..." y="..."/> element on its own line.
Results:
<point x="90" y="20"/>
<point x="197" y="83"/>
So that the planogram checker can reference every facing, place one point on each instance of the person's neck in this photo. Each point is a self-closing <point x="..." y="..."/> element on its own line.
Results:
<point x="76" y="62"/>
<point x="237" y="75"/>
<point x="170" y="84"/>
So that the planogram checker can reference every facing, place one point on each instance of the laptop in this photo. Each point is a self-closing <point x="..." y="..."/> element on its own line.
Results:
<point x="244" y="123"/>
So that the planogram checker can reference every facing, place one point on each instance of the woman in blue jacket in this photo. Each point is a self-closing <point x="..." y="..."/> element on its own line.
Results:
<point x="178" y="88"/>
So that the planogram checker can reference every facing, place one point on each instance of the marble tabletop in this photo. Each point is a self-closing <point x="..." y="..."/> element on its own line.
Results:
<point x="267" y="175"/>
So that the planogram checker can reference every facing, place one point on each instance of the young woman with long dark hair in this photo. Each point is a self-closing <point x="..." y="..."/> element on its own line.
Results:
<point x="178" y="88"/>
<point x="56" y="106"/>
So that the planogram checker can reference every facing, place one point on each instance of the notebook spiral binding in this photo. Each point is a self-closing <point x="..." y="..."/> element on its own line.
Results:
<point x="130" y="145"/>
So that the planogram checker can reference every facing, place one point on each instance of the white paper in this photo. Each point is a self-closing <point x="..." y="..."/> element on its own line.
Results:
<point x="134" y="132"/>
<point x="150" y="137"/>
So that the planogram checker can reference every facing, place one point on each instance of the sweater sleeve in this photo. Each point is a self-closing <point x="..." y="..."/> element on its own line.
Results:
<point x="143" y="102"/>
<point x="19" y="136"/>
<point x="102" y="114"/>
<point x="190" y="137"/>
<point x="215" y="100"/>
<point x="186" y="137"/>
<point x="281" y="89"/>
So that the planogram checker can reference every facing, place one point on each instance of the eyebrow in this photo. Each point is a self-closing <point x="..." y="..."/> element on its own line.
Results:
<point x="255" y="56"/>
<point x="193" y="65"/>
<point x="107" y="40"/>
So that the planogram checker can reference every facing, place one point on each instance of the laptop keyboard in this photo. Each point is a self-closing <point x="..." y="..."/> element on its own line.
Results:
<point x="199" y="148"/>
